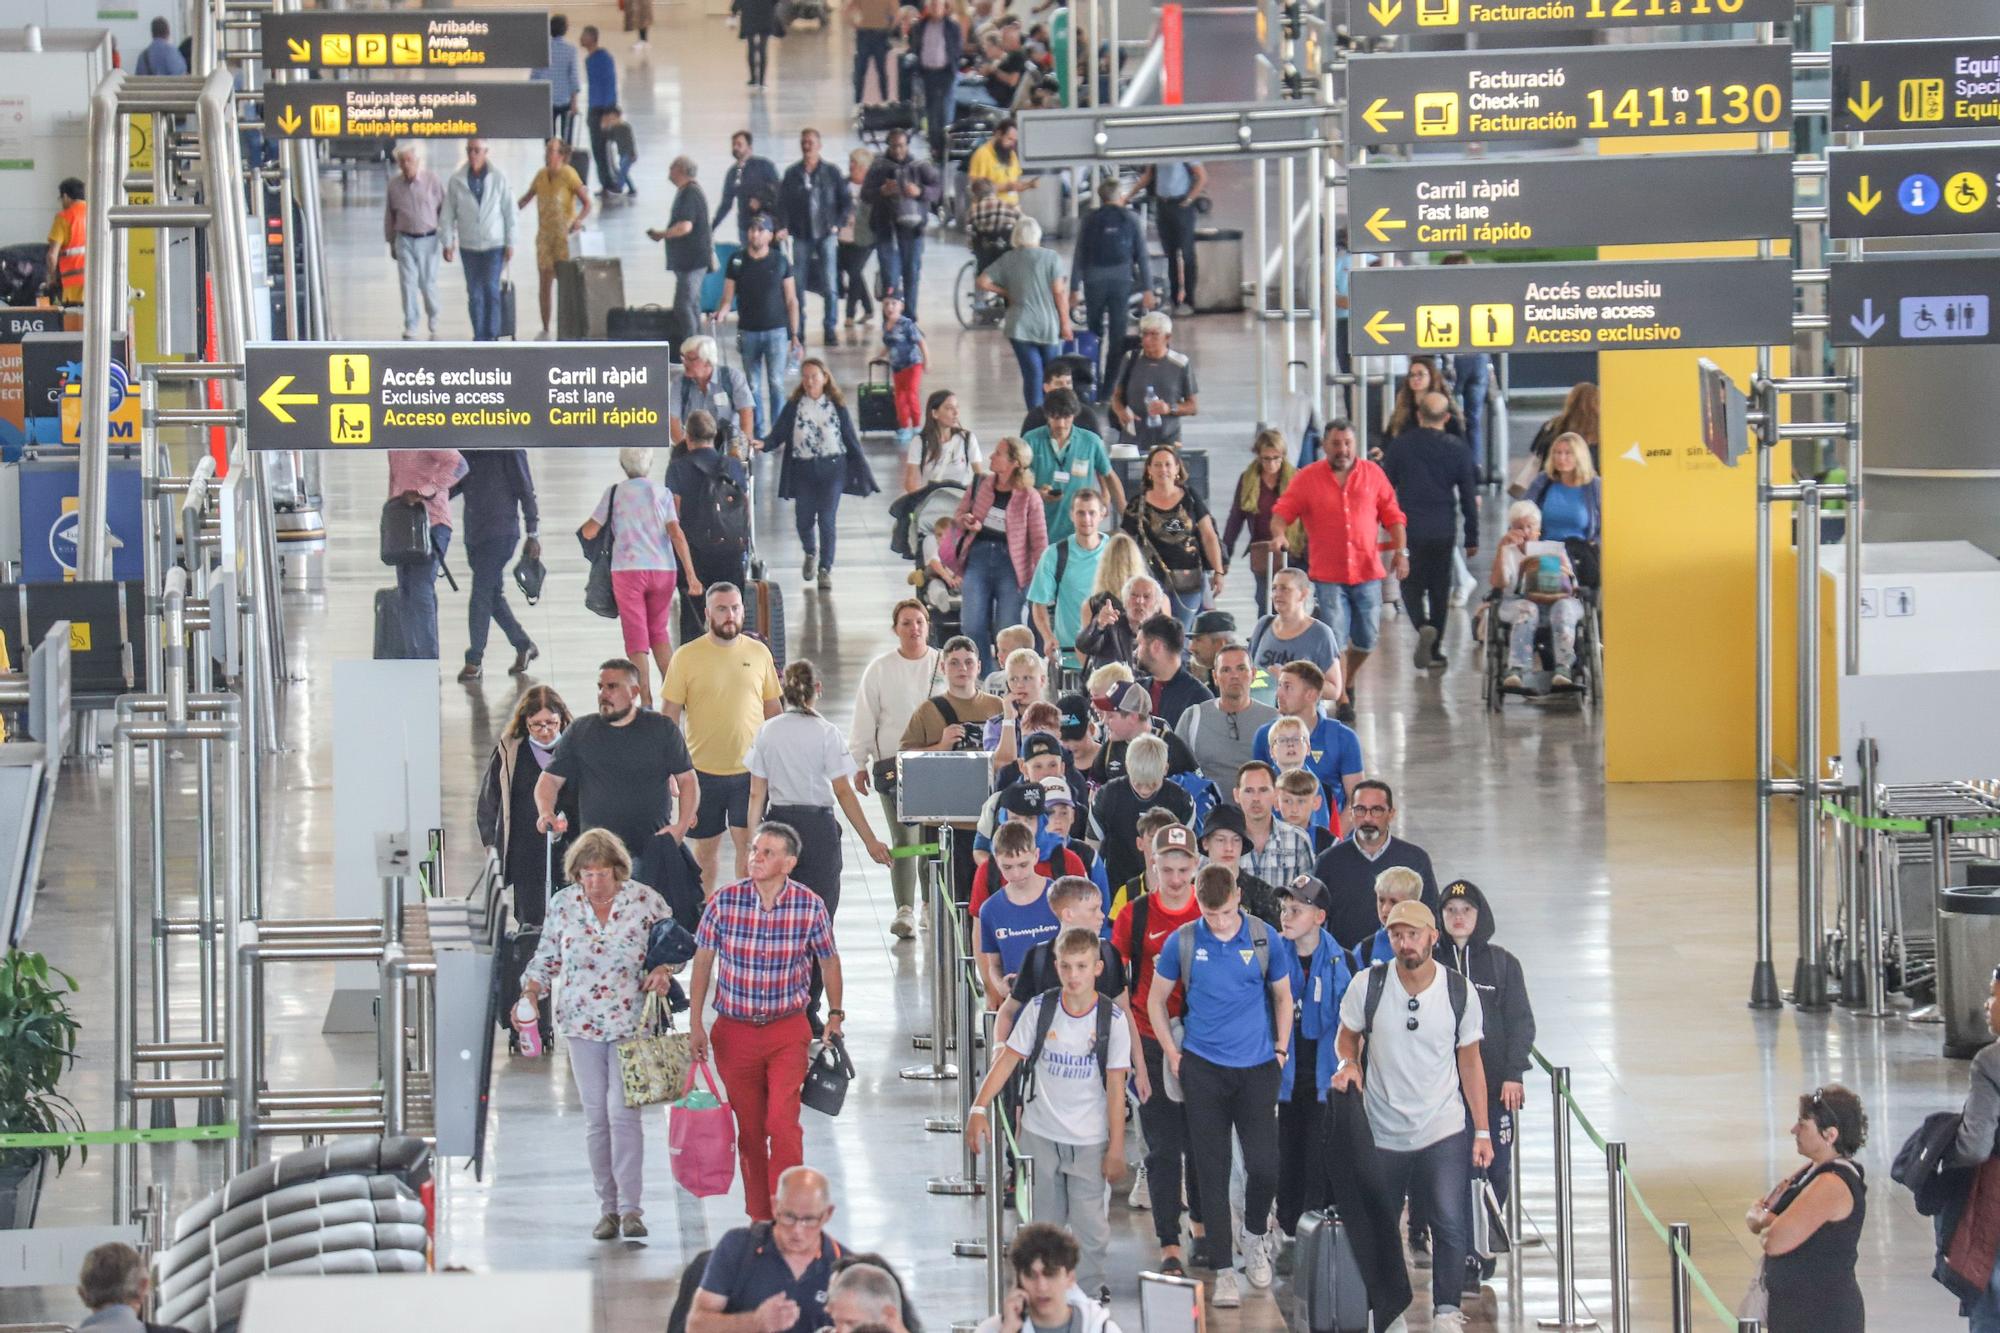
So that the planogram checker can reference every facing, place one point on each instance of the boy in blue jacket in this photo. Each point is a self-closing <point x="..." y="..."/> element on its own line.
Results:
<point x="1319" y="978"/>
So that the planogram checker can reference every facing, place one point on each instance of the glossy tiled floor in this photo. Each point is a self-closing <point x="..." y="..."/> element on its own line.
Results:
<point x="1630" y="906"/>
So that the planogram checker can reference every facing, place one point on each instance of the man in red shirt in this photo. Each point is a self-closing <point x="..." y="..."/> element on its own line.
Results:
<point x="1138" y="929"/>
<point x="1345" y="501"/>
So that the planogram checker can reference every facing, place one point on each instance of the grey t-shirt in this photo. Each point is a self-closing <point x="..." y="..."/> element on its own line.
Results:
<point x="692" y="250"/>
<point x="1029" y="275"/>
<point x="1314" y="644"/>
<point x="1222" y="742"/>
<point x="623" y="775"/>
<point x="1171" y="378"/>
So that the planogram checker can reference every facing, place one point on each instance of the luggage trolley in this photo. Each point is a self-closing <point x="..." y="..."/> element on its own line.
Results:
<point x="1911" y="873"/>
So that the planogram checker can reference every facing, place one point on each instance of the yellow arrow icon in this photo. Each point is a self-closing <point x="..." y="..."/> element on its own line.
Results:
<point x="288" y="121"/>
<point x="1376" y="116"/>
<point x="1376" y="327"/>
<point x="299" y="51"/>
<point x="1381" y="224"/>
<point x="275" y="400"/>
<point x="1384" y="14"/>
<point x="1865" y="109"/>
<point x="1864" y="202"/>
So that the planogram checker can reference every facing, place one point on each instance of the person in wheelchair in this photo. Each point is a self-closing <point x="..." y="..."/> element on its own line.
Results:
<point x="1537" y="587"/>
<point x="989" y="223"/>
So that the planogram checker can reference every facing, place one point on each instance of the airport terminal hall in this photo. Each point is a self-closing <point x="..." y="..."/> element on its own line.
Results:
<point x="999" y="666"/>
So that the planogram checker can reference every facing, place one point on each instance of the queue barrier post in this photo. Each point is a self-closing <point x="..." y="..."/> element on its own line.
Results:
<point x="943" y="957"/>
<point x="1680" y="1242"/>
<point x="1565" y="1317"/>
<point x="966" y="1180"/>
<point x="1619" y="1238"/>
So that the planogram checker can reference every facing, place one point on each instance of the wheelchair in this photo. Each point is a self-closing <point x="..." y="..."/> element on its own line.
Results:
<point x="1587" y="677"/>
<point x="976" y="309"/>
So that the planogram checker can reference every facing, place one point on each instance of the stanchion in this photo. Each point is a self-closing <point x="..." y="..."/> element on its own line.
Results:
<point x="943" y="967"/>
<point x="1749" y="1326"/>
<point x="926" y="874"/>
<point x="1565" y="1316"/>
<point x="1680" y="1240"/>
<point x="993" y="1247"/>
<point x="1518" y="1241"/>
<point x="1621" y="1259"/>
<point x="966" y="1181"/>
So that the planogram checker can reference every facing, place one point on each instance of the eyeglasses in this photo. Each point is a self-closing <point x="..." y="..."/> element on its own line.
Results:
<point x="1371" y="809"/>
<point x="1411" y="1021"/>
<point x="799" y="1219"/>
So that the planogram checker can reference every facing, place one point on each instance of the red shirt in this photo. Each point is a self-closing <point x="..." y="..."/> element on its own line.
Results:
<point x="1160" y="923"/>
<point x="1343" y="522"/>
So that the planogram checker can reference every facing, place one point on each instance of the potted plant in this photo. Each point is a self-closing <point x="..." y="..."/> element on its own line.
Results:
<point x="37" y="1046"/>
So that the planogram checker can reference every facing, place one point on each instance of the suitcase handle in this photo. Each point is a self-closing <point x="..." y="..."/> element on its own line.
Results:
<point x="887" y="377"/>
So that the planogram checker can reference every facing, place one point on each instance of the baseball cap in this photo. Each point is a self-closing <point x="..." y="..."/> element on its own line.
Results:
<point x="1075" y="716"/>
<point x="1462" y="888"/>
<point x="1174" y="838"/>
<point x="1023" y="798"/>
<point x="1127" y="696"/>
<point x="1308" y="890"/>
<point x="1214" y="622"/>
<point x="1227" y="819"/>
<point x="758" y="219"/>
<point x="1411" y="913"/>
<point x="1040" y="743"/>
<point x="1055" y="791"/>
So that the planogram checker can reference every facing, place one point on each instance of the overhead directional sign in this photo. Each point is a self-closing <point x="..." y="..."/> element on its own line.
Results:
<point x="1568" y="92"/>
<point x="1916" y="85"/>
<point x="1919" y="302"/>
<point x="1214" y="129"/>
<point x="1376" y="17"/>
<point x="1944" y="191"/>
<point x="1497" y="204"/>
<point x="324" y="109"/>
<point x="496" y="395"/>
<point x="1616" y="305"/>
<point x="426" y="39"/>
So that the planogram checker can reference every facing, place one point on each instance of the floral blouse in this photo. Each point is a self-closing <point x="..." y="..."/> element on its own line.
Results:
<point x="601" y="963"/>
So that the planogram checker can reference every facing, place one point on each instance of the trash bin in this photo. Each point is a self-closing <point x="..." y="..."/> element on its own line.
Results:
<point x="1218" y="261"/>
<point x="1968" y="950"/>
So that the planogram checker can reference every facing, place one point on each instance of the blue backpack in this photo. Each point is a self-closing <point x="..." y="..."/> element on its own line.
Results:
<point x="1204" y="793"/>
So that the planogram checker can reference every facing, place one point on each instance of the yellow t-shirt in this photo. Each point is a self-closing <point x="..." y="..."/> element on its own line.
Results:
<point x="556" y="196"/>
<point x="721" y="686"/>
<point x="985" y="165"/>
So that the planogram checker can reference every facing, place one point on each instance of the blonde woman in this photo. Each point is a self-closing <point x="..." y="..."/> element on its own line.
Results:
<point x="647" y="553"/>
<point x="1000" y="539"/>
<point x="1571" y="498"/>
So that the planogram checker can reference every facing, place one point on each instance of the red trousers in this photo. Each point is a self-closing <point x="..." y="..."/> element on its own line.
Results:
<point x="909" y="383"/>
<point x="763" y="1069"/>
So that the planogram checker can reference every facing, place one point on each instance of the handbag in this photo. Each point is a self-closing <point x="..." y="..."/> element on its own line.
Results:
<point x="655" y="1066"/>
<point x="701" y="1141"/>
<point x="406" y="532"/>
<point x="1756" y="1302"/>
<point x="827" y="1077"/>
<point x="597" y="594"/>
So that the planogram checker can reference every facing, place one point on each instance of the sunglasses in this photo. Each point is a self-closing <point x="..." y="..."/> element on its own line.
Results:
<point x="1411" y="1021"/>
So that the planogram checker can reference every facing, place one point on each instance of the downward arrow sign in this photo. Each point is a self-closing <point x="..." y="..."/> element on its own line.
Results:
<point x="1864" y="202"/>
<point x="1385" y="14"/>
<point x="1865" y="109"/>
<point x="1868" y="323"/>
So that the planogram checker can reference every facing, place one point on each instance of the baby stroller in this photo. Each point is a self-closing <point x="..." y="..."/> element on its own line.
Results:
<point x="912" y="535"/>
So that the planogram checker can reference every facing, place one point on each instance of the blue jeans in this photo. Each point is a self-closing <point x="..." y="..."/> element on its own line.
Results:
<point x="482" y="291"/>
<point x="488" y="602"/>
<point x="940" y="105"/>
<point x="1985" y="1312"/>
<point x="816" y="487"/>
<point x="816" y="268"/>
<point x="1438" y="1181"/>
<point x="417" y="585"/>
<point x="1353" y="611"/>
<point x="991" y="596"/>
<point x="1475" y="374"/>
<point x="872" y="44"/>
<point x="901" y="255"/>
<point x="764" y="353"/>
<point x="1034" y="359"/>
<point x="1183" y="606"/>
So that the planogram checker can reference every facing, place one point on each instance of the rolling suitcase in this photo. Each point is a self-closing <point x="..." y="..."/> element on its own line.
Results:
<point x="645" y="324"/>
<point x="579" y="162"/>
<point x="711" y="283"/>
<point x="875" y="402"/>
<point x="587" y="291"/>
<point x="507" y="310"/>
<point x="1328" y="1294"/>
<point x="764" y="607"/>
<point x="392" y="638"/>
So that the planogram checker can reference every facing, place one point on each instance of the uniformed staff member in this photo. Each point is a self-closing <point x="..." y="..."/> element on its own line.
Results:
<point x="66" y="244"/>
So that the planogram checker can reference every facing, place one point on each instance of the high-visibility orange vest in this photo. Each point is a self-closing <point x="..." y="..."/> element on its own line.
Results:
<point x="69" y="260"/>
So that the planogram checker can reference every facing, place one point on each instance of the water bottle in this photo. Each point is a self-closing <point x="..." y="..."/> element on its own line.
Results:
<point x="527" y="1028"/>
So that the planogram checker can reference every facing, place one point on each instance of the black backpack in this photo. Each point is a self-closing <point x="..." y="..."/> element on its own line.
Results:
<point x="1045" y="1019"/>
<point x="717" y="520"/>
<point x="1455" y="985"/>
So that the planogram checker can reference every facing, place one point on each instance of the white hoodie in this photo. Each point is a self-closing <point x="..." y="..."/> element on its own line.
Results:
<point x="1096" y="1319"/>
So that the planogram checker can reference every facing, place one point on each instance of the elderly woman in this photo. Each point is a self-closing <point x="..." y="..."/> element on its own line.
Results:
<point x="1537" y="587"/>
<point x="113" y="1286"/>
<point x="1110" y="631"/>
<point x="1811" y="1222"/>
<point x="1155" y="388"/>
<point x="648" y="552"/>
<point x="721" y="391"/>
<point x="595" y="943"/>
<point x="1031" y="281"/>
<point x="1572" y="502"/>
<point x="1000" y="537"/>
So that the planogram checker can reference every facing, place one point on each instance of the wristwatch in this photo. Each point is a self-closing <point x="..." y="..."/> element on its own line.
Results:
<point x="836" y="1013"/>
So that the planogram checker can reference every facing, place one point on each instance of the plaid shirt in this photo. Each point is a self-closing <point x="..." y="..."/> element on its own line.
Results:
<point x="992" y="218"/>
<point x="1287" y="854"/>
<point x="763" y="965"/>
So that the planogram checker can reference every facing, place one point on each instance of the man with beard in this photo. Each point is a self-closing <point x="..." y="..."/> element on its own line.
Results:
<point x="625" y="762"/>
<point x="1422" y="1024"/>
<point x="721" y="687"/>
<point x="1349" y="867"/>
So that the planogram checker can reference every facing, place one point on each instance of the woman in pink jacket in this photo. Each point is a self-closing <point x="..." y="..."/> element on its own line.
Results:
<point x="999" y="538"/>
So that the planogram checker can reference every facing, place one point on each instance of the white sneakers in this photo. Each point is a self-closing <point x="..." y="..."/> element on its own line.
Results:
<point x="1141" y="1198"/>
<point x="1257" y="1259"/>
<point x="905" y="924"/>
<point x="1448" y="1321"/>
<point x="1227" y="1293"/>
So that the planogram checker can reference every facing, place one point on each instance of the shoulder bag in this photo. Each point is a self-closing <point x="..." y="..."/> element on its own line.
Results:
<point x="827" y="1077"/>
<point x="1182" y="581"/>
<point x="655" y="1065"/>
<point x="597" y="594"/>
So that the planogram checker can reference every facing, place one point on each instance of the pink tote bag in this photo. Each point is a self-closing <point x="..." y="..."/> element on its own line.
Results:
<point x="701" y="1140"/>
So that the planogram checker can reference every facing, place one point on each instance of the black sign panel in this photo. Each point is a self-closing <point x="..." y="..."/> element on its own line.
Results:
<point x="1376" y="17"/>
<point x="1887" y="302"/>
<point x="1496" y="204"/>
<point x="428" y="39"/>
<point x="1951" y="191"/>
<point x="1916" y="85"/>
<point x="17" y="321"/>
<point x="402" y="395"/>
<point x="1569" y="93"/>
<point x="1616" y="305"/>
<point x="325" y="109"/>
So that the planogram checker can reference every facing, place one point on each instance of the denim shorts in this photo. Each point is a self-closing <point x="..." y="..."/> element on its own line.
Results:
<point x="1352" y="610"/>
